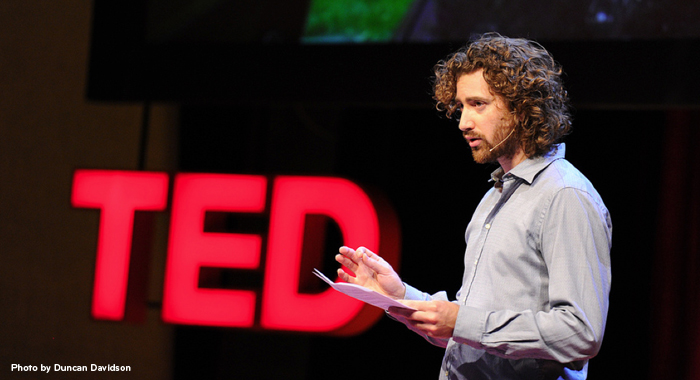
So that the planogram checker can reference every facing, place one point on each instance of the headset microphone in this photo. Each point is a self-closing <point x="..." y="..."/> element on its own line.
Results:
<point x="511" y="132"/>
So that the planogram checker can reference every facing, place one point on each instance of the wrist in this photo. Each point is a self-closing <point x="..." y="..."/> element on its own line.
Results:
<point x="400" y="293"/>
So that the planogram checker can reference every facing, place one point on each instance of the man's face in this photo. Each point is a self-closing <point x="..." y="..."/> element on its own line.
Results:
<point x="485" y="121"/>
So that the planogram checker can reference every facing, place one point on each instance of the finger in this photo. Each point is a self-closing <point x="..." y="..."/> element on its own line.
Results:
<point x="372" y="255"/>
<point x="400" y="312"/>
<point x="367" y="252"/>
<point x="418" y="306"/>
<point x="364" y="250"/>
<point x="375" y="264"/>
<point x="347" y="262"/>
<point x="354" y="254"/>
<point x="344" y="276"/>
<point x="422" y="314"/>
<point x="347" y="252"/>
<point x="348" y="258"/>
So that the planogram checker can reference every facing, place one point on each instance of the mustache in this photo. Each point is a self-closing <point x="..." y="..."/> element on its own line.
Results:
<point x="472" y="135"/>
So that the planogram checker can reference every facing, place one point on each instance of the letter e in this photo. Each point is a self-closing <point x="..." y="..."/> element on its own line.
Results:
<point x="190" y="248"/>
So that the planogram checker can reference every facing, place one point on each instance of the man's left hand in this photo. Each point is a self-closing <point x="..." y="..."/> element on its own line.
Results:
<point x="434" y="318"/>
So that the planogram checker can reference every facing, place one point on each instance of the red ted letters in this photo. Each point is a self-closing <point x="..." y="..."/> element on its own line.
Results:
<point x="119" y="194"/>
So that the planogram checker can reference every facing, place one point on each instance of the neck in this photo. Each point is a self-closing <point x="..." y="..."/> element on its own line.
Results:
<point x="508" y="163"/>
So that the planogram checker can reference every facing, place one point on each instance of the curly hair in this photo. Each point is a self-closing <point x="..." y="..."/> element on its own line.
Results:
<point x="524" y="74"/>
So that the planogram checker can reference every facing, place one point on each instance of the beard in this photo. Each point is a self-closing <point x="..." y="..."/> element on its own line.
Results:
<point x="503" y="145"/>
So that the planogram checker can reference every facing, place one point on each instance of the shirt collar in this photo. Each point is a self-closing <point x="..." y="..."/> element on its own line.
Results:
<point x="528" y="169"/>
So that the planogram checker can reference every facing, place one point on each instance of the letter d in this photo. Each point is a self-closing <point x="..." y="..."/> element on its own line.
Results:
<point x="293" y="198"/>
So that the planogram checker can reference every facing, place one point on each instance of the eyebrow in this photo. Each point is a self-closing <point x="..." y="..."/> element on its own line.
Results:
<point x="476" y="98"/>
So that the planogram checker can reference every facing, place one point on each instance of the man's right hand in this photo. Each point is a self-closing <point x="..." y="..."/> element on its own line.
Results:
<point x="371" y="271"/>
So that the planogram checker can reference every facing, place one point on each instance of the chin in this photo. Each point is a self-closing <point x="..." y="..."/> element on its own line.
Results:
<point x="482" y="155"/>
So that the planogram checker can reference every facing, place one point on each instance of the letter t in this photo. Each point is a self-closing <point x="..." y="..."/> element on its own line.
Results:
<point x="118" y="194"/>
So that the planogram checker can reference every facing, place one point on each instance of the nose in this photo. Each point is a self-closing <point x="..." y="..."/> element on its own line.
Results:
<point x="466" y="124"/>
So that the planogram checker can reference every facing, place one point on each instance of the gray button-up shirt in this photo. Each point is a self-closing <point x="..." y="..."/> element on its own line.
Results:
<point x="534" y="295"/>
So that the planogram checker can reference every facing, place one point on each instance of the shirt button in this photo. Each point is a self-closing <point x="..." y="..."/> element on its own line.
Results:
<point x="487" y="226"/>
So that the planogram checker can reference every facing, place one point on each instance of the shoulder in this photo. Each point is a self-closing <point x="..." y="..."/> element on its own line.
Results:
<point x="562" y="182"/>
<point x="566" y="185"/>
<point x="560" y="175"/>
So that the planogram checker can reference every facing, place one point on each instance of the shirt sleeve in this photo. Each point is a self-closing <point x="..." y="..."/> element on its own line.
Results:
<point x="575" y="241"/>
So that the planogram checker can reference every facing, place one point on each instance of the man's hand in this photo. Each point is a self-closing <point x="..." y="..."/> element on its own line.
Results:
<point x="434" y="318"/>
<point x="371" y="271"/>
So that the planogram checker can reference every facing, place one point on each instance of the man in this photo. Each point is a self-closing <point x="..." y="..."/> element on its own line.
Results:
<point x="534" y="295"/>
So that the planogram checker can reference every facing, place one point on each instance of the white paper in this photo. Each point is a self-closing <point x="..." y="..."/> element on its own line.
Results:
<point x="361" y="293"/>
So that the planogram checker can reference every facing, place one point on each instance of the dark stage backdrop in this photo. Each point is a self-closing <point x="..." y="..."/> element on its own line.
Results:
<point x="421" y="164"/>
<point x="676" y="291"/>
